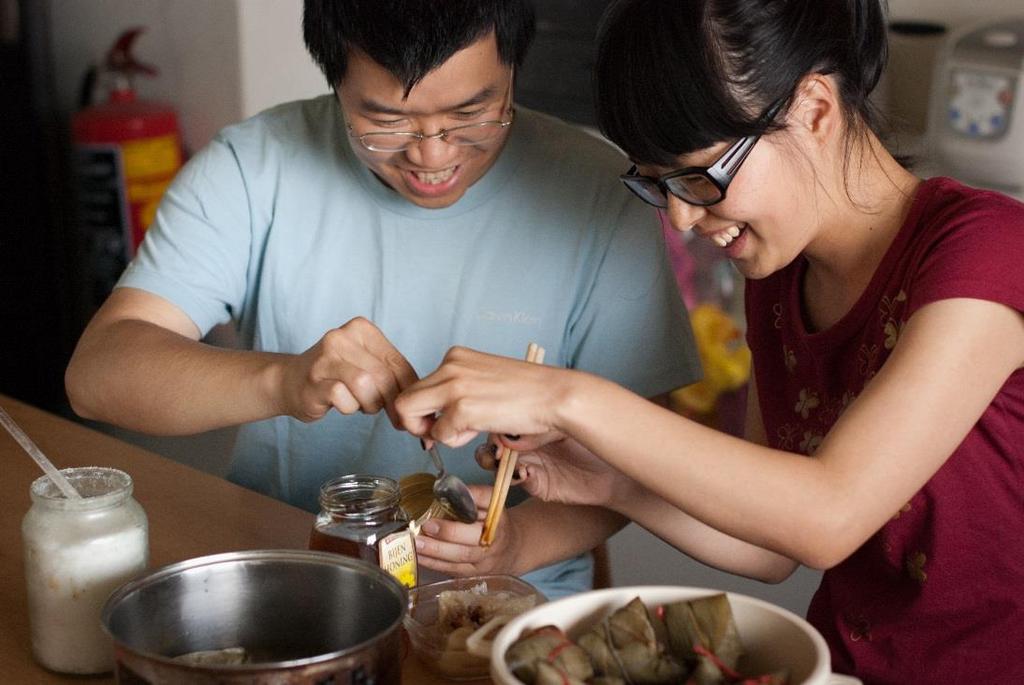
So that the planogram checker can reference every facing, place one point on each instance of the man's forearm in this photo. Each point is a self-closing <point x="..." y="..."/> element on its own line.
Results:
<point x="143" y="377"/>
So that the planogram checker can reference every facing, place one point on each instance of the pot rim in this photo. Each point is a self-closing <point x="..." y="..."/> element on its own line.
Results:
<point x="308" y="556"/>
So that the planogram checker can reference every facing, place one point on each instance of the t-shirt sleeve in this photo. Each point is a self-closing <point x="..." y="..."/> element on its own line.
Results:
<point x="196" y="252"/>
<point x="977" y="253"/>
<point x="633" y="327"/>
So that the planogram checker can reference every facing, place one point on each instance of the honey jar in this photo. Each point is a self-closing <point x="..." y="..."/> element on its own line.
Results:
<point x="360" y="516"/>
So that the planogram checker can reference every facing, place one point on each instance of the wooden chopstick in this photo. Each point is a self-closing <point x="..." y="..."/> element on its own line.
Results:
<point x="506" y="470"/>
<point x="503" y="478"/>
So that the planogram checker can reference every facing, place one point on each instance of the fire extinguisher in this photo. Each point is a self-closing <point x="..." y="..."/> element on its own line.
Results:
<point x="127" y="151"/>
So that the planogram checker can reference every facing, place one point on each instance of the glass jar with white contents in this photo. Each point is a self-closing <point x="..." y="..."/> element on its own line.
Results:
<point x="77" y="551"/>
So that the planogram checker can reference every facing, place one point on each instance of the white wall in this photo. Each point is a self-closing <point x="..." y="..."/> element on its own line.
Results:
<point x="220" y="61"/>
<point x="953" y="12"/>
<point x="224" y="60"/>
<point x="275" y="65"/>
<point x="194" y="44"/>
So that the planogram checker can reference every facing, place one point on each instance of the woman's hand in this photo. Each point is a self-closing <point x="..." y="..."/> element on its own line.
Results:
<point x="474" y="392"/>
<point x="555" y="468"/>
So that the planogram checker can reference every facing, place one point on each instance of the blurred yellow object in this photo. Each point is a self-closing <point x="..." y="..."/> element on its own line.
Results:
<point x="724" y="355"/>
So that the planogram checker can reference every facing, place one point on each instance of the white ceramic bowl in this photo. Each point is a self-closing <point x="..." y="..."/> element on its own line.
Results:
<point x="773" y="637"/>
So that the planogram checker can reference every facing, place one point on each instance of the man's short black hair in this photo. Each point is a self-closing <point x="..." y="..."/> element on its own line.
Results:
<point x="411" y="38"/>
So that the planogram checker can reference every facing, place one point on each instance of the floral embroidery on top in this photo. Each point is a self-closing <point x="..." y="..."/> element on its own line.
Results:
<point x="833" y="408"/>
<point x="893" y="329"/>
<point x="808" y="401"/>
<point x="848" y="397"/>
<point x="891" y="304"/>
<point x="892" y="324"/>
<point x="787" y="434"/>
<point x="867" y="356"/>
<point x="860" y="627"/>
<point x="915" y="567"/>
<point x="811" y="442"/>
<point x="903" y="510"/>
<point x="790" y="356"/>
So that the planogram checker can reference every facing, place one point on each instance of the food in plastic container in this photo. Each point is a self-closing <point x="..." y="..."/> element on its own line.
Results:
<point x="451" y="623"/>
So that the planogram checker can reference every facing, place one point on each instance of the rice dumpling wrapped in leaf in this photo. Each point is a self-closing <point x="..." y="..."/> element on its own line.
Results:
<point x="550" y="646"/>
<point x="548" y="674"/>
<point x="703" y="631"/>
<point x="780" y="678"/>
<point x="625" y="645"/>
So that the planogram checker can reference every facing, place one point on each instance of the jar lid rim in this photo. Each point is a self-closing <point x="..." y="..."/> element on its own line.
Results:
<point x="360" y="494"/>
<point x="100" y="486"/>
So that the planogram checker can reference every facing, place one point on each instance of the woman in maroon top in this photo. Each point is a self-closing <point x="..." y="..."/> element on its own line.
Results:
<point x="886" y="428"/>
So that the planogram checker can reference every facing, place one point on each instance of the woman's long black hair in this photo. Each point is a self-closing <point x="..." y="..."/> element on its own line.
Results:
<point x="675" y="76"/>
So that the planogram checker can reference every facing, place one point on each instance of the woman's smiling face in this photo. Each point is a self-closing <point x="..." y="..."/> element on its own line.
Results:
<point x="474" y="85"/>
<point x="758" y="225"/>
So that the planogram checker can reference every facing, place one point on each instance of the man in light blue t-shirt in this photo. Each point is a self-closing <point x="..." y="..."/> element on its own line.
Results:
<point x="356" y="237"/>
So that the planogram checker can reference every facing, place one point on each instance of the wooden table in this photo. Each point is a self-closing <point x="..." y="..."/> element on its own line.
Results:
<point x="191" y="514"/>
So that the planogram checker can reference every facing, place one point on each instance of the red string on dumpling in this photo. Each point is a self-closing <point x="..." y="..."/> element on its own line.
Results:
<point x="729" y="673"/>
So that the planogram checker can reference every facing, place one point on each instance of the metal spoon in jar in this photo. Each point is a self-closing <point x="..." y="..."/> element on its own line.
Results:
<point x="451" y="492"/>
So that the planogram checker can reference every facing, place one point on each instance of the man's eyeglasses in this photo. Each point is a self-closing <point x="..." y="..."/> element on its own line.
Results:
<point x="469" y="134"/>
<point x="702" y="186"/>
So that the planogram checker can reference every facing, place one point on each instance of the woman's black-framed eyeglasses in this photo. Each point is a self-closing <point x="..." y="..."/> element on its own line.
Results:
<point x="702" y="186"/>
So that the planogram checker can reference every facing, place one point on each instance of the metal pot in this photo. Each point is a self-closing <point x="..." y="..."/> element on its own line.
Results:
<point x="300" y="617"/>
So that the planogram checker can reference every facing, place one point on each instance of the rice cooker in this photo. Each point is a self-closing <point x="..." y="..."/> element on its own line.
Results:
<point x="976" y="122"/>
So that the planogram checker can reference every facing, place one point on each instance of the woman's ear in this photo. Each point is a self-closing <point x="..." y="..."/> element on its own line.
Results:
<point x="817" y="109"/>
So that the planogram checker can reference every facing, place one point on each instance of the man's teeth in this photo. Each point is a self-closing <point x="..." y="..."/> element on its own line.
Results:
<point x="435" y="177"/>
<point x="723" y="238"/>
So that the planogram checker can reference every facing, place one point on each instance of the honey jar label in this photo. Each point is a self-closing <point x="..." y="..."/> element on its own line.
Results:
<point x="397" y="554"/>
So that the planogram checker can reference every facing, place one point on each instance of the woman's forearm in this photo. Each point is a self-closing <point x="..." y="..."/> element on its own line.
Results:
<point x="698" y="540"/>
<point x="772" y="499"/>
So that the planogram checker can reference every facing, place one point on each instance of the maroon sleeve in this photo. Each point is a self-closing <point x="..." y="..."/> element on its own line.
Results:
<point x="973" y="246"/>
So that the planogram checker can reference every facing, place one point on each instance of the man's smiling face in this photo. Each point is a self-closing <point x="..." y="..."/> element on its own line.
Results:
<point x="471" y="87"/>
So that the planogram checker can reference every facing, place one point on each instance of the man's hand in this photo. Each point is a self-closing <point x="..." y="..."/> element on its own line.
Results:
<point x="454" y="548"/>
<point x="140" y="365"/>
<point x="530" y="535"/>
<point x="353" y="368"/>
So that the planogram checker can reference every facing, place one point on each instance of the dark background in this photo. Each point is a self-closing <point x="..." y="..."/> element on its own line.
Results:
<point x="556" y="77"/>
<point x="41" y="308"/>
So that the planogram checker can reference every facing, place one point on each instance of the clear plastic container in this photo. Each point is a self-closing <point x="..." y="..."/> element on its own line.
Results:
<point x="77" y="552"/>
<point x="463" y="653"/>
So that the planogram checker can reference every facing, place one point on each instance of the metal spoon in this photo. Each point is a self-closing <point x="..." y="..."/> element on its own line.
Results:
<point x="451" y="492"/>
